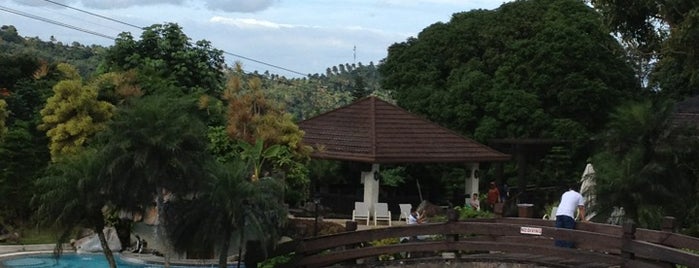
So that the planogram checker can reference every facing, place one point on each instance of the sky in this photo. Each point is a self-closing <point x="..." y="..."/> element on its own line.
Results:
<point x="291" y="38"/>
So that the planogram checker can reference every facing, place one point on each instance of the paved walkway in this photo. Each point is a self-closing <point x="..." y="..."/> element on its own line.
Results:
<point x="361" y="225"/>
<point x="11" y="250"/>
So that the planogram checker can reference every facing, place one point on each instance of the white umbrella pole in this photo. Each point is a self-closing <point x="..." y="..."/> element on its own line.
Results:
<point x="419" y="191"/>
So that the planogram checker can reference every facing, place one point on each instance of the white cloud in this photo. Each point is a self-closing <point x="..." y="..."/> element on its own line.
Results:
<point x="248" y="23"/>
<point x="34" y="2"/>
<point x="239" y="5"/>
<point x="113" y="4"/>
<point x="243" y="6"/>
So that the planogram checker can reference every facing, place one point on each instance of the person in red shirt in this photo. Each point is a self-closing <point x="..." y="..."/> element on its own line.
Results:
<point x="493" y="196"/>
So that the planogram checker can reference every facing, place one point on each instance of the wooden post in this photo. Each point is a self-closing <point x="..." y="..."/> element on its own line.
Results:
<point x="626" y="240"/>
<point x="350" y="226"/>
<point x="668" y="224"/>
<point x="452" y="217"/>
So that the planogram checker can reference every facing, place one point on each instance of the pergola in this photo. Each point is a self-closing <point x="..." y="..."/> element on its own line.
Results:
<point x="374" y="131"/>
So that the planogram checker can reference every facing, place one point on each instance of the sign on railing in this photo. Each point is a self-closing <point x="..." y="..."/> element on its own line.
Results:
<point x="530" y="230"/>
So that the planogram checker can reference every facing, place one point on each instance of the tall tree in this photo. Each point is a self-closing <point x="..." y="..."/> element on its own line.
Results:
<point x="252" y="116"/>
<point x="73" y="114"/>
<point x="156" y="148"/>
<point x="662" y="31"/>
<point x="648" y="165"/>
<point x="230" y="206"/>
<point x="25" y="85"/>
<point x="154" y="143"/>
<point x="72" y="195"/>
<point x="528" y="69"/>
<point x="164" y="52"/>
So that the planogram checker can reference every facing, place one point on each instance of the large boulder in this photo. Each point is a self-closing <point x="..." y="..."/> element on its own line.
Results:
<point x="91" y="243"/>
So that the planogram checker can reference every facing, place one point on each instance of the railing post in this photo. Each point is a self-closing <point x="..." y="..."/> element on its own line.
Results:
<point x="452" y="217"/>
<point x="668" y="224"/>
<point x="350" y="226"/>
<point x="626" y="239"/>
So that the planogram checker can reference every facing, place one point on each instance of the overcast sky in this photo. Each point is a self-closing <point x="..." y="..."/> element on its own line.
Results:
<point x="304" y="36"/>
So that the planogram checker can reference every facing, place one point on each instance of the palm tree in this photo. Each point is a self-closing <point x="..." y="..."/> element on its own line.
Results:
<point x="155" y="146"/>
<point x="72" y="195"/>
<point x="230" y="205"/>
<point x="647" y="164"/>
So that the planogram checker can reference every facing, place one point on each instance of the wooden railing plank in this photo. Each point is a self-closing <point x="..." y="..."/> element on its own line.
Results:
<point x="478" y="246"/>
<point x="598" y="241"/>
<point x="650" y="251"/>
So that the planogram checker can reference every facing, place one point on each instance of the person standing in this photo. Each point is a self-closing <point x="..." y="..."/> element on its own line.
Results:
<point x="493" y="196"/>
<point x="565" y="214"/>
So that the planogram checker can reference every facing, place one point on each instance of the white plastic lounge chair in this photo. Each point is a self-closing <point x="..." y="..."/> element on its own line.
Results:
<point x="404" y="211"/>
<point x="360" y="212"/>
<point x="381" y="213"/>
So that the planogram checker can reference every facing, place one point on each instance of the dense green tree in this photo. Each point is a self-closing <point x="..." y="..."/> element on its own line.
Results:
<point x="231" y="205"/>
<point x="528" y="69"/>
<point x="24" y="154"/>
<point x="73" y="114"/>
<point x="533" y="69"/>
<point x="71" y="195"/>
<point x="9" y="33"/>
<point x="16" y="67"/>
<point x="648" y="165"/>
<point x="165" y="53"/>
<point x="260" y="128"/>
<point x="84" y="58"/>
<point x="25" y="83"/>
<point x="156" y="148"/>
<point x="662" y="32"/>
<point x="154" y="143"/>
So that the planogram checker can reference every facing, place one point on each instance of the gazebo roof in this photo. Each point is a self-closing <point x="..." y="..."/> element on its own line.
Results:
<point x="686" y="112"/>
<point x="374" y="131"/>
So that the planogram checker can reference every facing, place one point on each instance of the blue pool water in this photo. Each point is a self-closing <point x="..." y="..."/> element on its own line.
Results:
<point x="79" y="261"/>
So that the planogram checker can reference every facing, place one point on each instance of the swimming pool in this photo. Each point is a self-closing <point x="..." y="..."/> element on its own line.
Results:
<point x="72" y="260"/>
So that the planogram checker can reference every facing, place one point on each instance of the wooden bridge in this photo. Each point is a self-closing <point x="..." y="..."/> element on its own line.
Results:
<point x="501" y="240"/>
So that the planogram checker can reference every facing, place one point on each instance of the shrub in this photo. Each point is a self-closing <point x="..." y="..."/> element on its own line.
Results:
<point x="468" y="212"/>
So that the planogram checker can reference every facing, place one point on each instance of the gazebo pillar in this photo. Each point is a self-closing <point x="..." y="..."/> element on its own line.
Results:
<point x="471" y="182"/>
<point x="371" y="187"/>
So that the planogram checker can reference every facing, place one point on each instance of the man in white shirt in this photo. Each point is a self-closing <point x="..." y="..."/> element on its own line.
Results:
<point x="565" y="215"/>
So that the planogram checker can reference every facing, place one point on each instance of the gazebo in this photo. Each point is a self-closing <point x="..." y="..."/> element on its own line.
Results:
<point x="374" y="131"/>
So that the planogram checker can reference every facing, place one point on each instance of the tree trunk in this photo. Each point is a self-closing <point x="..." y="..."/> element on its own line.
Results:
<point x="105" y="247"/>
<point x="225" y="245"/>
<point x="160" y="202"/>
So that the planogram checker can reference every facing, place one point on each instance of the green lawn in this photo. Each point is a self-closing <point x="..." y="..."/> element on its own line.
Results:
<point x="30" y="236"/>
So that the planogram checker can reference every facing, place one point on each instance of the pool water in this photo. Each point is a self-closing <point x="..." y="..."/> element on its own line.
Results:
<point x="79" y="261"/>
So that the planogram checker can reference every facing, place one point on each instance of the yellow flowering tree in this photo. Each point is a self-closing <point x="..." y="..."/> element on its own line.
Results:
<point x="73" y="114"/>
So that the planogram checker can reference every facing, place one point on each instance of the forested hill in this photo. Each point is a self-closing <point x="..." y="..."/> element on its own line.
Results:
<point x="302" y="97"/>
<point x="15" y="48"/>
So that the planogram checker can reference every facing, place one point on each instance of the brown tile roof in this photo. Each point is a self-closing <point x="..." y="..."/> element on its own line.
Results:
<point x="374" y="131"/>
<point x="686" y="113"/>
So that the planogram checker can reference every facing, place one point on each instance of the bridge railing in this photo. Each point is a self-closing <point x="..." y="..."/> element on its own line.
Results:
<point x="488" y="239"/>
